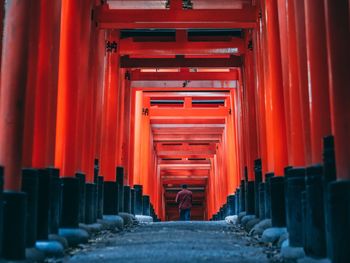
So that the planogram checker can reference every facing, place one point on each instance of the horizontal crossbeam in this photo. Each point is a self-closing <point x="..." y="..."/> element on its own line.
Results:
<point x="177" y="18"/>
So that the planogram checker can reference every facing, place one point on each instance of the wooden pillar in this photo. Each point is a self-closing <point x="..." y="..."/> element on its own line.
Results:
<point x="87" y="84"/>
<point x="303" y="78"/>
<point x="338" y="43"/>
<point x="276" y="130"/>
<point x="260" y="96"/>
<point x="249" y="108"/>
<point x="318" y="87"/>
<point x="32" y="61"/>
<point x="110" y="110"/>
<point x="46" y="85"/>
<point x="13" y="82"/>
<point x="296" y="150"/>
<point x="68" y="89"/>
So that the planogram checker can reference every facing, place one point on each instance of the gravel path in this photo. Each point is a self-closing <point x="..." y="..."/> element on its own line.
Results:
<point x="172" y="242"/>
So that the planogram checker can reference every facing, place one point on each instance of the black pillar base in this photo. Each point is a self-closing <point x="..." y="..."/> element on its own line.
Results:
<point x="237" y="201"/>
<point x="138" y="200"/>
<point x="268" y="176"/>
<point x="110" y="198"/>
<point x="295" y="187"/>
<point x="70" y="202"/>
<point x="231" y="205"/>
<point x="43" y="204"/>
<point x="262" y="201"/>
<point x="81" y="179"/>
<point x="314" y="227"/>
<point x="250" y="198"/>
<point x="257" y="181"/>
<point x="30" y="186"/>
<point x="278" y="213"/>
<point x="242" y="195"/>
<point x="127" y="199"/>
<point x="339" y="209"/>
<point x="90" y="203"/>
<point x="55" y="200"/>
<point x="146" y="205"/>
<point x="120" y="182"/>
<point x="15" y="211"/>
<point x="132" y="201"/>
<point x="100" y="194"/>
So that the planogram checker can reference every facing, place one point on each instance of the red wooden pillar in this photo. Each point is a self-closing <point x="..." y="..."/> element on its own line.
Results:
<point x="110" y="111"/>
<point x="316" y="47"/>
<point x="13" y="82"/>
<point x="338" y="43"/>
<point x="98" y="83"/>
<point x="87" y="84"/>
<point x="250" y="110"/>
<point x="259" y="96"/>
<point x="68" y="89"/>
<point x="32" y="60"/>
<point x="276" y="130"/>
<point x="2" y="14"/>
<point x="303" y="78"/>
<point x="46" y="85"/>
<point x="292" y="96"/>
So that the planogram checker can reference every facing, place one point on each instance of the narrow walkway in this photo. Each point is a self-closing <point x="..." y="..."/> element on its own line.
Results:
<point x="172" y="242"/>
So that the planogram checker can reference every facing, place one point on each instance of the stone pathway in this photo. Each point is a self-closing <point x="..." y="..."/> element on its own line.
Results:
<point x="172" y="242"/>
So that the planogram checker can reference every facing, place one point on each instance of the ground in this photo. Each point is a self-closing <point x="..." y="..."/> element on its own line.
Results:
<point x="172" y="242"/>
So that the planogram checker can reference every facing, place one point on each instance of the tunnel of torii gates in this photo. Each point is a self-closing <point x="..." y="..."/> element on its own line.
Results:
<point x="204" y="93"/>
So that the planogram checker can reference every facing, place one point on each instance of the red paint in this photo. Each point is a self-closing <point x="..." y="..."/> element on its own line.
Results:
<point x="68" y="90"/>
<point x="110" y="113"/>
<point x="318" y="81"/>
<point x="276" y="135"/>
<point x="47" y="83"/>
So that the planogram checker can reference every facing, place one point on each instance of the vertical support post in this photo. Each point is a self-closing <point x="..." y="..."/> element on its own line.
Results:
<point x="276" y="128"/>
<point x="110" y="111"/>
<point x="318" y="83"/>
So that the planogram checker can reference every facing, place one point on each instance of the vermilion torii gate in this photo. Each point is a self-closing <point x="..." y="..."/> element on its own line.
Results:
<point x="173" y="95"/>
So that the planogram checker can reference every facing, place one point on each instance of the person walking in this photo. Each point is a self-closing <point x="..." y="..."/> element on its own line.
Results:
<point x="184" y="199"/>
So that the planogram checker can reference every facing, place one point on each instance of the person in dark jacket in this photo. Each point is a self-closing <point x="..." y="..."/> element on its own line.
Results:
<point x="184" y="199"/>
